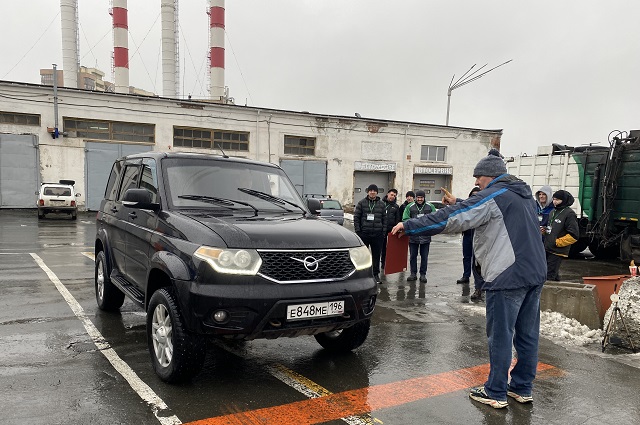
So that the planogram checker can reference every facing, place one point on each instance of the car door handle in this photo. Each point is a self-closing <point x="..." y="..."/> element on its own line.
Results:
<point x="133" y="215"/>
<point x="114" y="210"/>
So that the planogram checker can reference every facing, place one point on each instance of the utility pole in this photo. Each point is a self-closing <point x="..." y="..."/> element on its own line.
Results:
<point x="56" y="132"/>
<point x="466" y="79"/>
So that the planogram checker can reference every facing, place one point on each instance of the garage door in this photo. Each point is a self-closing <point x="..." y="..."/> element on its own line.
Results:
<point x="18" y="170"/>
<point x="309" y="177"/>
<point x="98" y="161"/>
<point x="362" y="180"/>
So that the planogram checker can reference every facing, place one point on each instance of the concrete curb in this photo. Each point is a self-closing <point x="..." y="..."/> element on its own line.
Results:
<point x="575" y="300"/>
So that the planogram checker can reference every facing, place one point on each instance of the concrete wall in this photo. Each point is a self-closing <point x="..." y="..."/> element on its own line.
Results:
<point x="340" y="141"/>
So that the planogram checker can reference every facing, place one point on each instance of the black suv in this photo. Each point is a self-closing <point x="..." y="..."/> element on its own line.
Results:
<point x="213" y="246"/>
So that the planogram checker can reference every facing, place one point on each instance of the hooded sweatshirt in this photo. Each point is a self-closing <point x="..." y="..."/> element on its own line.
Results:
<point x="506" y="243"/>
<point x="544" y="210"/>
<point x="562" y="230"/>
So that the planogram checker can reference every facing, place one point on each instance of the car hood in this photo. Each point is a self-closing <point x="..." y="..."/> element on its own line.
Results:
<point x="278" y="232"/>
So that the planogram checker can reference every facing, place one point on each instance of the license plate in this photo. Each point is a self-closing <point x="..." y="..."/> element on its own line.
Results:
<point x="308" y="311"/>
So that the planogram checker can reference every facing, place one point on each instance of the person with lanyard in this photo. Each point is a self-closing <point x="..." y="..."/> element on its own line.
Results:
<point x="560" y="233"/>
<point x="545" y="206"/>
<point x="418" y="243"/>
<point x="370" y="223"/>
<point x="392" y="211"/>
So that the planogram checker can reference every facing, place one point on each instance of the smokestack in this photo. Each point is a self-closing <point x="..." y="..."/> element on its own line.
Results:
<point x="170" y="56"/>
<point x="70" y="54"/>
<point x="216" y="52"/>
<point x="120" y="46"/>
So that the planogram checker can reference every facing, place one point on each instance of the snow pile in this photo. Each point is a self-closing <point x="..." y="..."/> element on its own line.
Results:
<point x="560" y="328"/>
<point x="629" y="304"/>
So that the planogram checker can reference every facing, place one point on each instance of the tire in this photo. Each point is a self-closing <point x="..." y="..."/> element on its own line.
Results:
<point x="176" y="354"/>
<point x="40" y="215"/>
<point x="108" y="296"/>
<point x="604" y="253"/>
<point x="345" y="339"/>
<point x="74" y="216"/>
<point x="577" y="248"/>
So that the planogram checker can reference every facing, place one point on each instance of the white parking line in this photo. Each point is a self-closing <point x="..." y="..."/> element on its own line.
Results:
<point x="158" y="406"/>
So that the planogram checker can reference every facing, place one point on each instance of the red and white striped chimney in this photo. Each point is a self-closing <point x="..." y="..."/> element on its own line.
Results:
<point x="120" y="46"/>
<point x="216" y="49"/>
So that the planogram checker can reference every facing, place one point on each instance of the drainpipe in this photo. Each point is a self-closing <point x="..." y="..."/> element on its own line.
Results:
<point x="404" y="154"/>
<point x="269" y="137"/>
<point x="565" y="171"/>
<point x="258" y="135"/>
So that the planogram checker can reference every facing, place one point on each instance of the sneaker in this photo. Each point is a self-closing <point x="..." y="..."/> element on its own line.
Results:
<point x="377" y="278"/>
<point x="520" y="398"/>
<point x="479" y="394"/>
<point x="463" y="280"/>
<point x="423" y="278"/>
<point x="412" y="277"/>
<point x="476" y="296"/>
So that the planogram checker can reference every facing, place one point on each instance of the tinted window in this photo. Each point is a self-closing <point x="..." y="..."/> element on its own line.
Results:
<point x="149" y="179"/>
<point x="112" y="187"/>
<point x="57" y="191"/>
<point x="130" y="179"/>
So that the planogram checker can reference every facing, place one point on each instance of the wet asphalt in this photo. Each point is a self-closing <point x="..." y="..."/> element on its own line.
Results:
<point x="427" y="345"/>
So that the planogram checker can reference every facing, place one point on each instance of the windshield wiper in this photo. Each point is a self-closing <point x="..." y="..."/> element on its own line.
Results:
<point x="218" y="201"/>
<point x="273" y="199"/>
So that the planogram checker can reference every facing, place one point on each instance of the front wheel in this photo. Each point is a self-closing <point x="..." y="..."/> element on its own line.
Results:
<point x="345" y="339"/>
<point x="108" y="296"/>
<point x="176" y="354"/>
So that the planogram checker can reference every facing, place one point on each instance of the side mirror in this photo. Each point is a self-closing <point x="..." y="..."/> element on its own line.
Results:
<point x="139" y="198"/>
<point x="77" y="194"/>
<point x="37" y="193"/>
<point x="314" y="206"/>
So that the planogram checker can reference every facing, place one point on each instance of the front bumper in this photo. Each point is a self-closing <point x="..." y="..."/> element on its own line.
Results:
<point x="257" y="308"/>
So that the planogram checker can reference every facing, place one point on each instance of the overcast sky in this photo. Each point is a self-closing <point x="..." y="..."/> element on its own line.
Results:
<point x="575" y="74"/>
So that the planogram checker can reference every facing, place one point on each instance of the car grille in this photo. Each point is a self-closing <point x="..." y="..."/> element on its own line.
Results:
<point x="289" y="266"/>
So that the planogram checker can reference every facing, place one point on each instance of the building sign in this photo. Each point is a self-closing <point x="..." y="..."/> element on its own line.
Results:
<point x="374" y="166"/>
<point x="433" y="170"/>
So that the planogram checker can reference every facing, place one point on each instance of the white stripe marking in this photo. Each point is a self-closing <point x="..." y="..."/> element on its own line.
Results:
<point x="144" y="391"/>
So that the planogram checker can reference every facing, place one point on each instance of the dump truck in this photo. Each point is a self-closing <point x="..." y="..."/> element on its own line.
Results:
<point x="605" y="181"/>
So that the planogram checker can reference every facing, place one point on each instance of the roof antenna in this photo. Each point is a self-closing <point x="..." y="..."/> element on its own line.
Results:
<point x="224" y="155"/>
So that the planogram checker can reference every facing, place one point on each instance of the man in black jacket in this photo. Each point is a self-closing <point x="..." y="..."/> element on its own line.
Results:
<point x="392" y="211"/>
<point x="370" y="223"/>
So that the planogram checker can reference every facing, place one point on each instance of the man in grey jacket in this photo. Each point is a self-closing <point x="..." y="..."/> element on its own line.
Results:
<point x="508" y="248"/>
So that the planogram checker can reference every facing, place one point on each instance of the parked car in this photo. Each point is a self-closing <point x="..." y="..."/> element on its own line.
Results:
<point x="57" y="198"/>
<point x="207" y="258"/>
<point x="331" y="208"/>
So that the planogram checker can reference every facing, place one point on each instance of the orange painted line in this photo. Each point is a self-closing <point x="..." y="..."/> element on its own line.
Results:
<point x="360" y="401"/>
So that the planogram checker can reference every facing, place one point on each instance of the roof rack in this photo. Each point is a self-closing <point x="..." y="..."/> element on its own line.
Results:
<point x="317" y="195"/>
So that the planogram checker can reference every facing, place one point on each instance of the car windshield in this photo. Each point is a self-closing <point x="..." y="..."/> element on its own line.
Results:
<point x="56" y="191"/>
<point x="331" y="205"/>
<point x="190" y="181"/>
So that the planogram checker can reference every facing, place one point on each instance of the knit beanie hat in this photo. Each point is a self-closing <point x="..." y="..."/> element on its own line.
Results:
<point x="491" y="165"/>
<point x="562" y="195"/>
<point x="372" y="187"/>
<point x="419" y="193"/>
<point x="410" y="193"/>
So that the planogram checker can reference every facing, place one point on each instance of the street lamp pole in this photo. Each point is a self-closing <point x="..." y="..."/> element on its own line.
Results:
<point x="467" y="78"/>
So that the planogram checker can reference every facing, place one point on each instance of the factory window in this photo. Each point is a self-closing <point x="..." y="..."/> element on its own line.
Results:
<point x="89" y="83"/>
<point x="295" y="145"/>
<point x="46" y="79"/>
<point x="210" y="139"/>
<point x="23" y="119"/>
<point x="110" y="130"/>
<point x="433" y="153"/>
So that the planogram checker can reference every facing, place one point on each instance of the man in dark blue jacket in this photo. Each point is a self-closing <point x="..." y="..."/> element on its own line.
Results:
<point x="508" y="248"/>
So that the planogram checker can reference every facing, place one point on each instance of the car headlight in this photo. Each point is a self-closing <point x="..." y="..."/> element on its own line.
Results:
<point x="230" y="261"/>
<point x="360" y="257"/>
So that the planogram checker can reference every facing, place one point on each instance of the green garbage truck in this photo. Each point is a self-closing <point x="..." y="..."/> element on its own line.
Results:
<point x="605" y="181"/>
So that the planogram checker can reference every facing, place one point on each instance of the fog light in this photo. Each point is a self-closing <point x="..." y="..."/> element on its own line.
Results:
<point x="220" y="316"/>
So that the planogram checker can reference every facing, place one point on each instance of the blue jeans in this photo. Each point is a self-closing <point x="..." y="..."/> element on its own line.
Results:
<point x="468" y="259"/>
<point x="513" y="318"/>
<point x="413" y="257"/>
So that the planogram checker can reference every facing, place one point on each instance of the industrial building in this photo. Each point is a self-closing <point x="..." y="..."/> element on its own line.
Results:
<point x="322" y="154"/>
